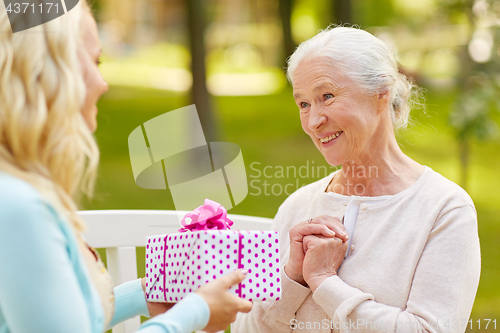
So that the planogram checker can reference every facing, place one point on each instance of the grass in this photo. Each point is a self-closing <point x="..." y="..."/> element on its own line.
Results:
<point x="268" y="131"/>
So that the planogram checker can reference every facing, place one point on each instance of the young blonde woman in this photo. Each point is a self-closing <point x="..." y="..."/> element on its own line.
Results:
<point x="50" y="279"/>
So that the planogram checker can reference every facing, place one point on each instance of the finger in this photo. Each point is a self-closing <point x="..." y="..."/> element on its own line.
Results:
<point x="309" y="238"/>
<point x="245" y="306"/>
<point x="345" y="246"/>
<point x="340" y="239"/>
<point x="340" y="232"/>
<point x="305" y="244"/>
<point x="239" y="304"/>
<point x="312" y="240"/>
<point x="313" y="229"/>
<point x="233" y="278"/>
<point x="334" y="224"/>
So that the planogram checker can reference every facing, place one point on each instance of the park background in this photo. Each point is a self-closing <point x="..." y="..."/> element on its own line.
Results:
<point x="228" y="57"/>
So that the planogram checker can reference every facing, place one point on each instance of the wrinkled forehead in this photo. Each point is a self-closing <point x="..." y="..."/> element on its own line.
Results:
<point x="313" y="73"/>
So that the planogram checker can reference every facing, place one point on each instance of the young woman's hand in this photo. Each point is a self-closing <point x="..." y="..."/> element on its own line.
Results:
<point x="155" y="308"/>
<point x="223" y="305"/>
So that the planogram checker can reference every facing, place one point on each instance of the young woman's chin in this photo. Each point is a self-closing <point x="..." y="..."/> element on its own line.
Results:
<point x="90" y="117"/>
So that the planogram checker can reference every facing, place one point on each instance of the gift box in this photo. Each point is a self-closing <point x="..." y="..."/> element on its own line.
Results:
<point x="180" y="263"/>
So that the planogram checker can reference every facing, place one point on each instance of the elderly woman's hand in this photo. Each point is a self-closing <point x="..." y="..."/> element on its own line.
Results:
<point x="326" y="226"/>
<point x="323" y="257"/>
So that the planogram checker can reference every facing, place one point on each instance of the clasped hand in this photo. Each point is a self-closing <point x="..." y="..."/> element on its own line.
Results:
<point x="317" y="250"/>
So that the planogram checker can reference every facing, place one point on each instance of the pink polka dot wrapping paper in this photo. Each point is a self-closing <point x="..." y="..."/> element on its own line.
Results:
<point x="190" y="260"/>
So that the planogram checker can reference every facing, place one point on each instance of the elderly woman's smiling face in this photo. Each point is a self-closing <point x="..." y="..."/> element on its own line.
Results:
<point x="341" y="118"/>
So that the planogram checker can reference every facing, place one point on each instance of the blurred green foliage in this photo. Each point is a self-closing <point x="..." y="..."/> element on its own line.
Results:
<point x="373" y="13"/>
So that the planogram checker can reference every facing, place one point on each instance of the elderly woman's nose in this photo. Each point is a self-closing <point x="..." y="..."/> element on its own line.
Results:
<point x="316" y="119"/>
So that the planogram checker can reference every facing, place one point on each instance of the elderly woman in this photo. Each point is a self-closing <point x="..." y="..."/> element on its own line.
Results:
<point x="408" y="258"/>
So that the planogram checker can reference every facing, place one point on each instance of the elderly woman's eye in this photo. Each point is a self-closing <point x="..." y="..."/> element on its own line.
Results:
<point x="304" y="105"/>
<point x="328" y="96"/>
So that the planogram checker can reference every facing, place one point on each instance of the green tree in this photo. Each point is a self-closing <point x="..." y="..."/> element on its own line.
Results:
<point x="199" y="93"/>
<point x="285" y="11"/>
<point x="472" y="116"/>
<point x="342" y="11"/>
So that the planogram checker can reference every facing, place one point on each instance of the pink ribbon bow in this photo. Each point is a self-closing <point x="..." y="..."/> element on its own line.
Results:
<point x="210" y="216"/>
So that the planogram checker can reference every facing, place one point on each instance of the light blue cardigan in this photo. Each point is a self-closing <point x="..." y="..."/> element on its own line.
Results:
<point x="44" y="283"/>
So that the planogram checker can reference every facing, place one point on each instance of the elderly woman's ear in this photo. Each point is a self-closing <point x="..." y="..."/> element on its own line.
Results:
<point x="384" y="99"/>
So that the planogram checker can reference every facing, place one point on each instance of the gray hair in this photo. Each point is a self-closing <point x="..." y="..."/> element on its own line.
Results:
<point x="368" y="61"/>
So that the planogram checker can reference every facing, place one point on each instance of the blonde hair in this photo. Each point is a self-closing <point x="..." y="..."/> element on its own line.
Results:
<point x="367" y="60"/>
<point x="44" y="139"/>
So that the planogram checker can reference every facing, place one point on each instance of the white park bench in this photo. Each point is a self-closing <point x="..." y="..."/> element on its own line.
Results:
<point x="121" y="231"/>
